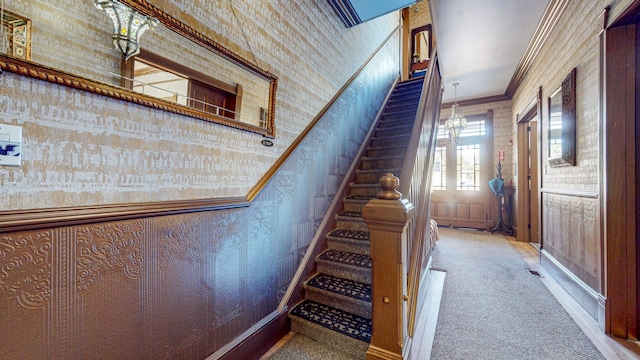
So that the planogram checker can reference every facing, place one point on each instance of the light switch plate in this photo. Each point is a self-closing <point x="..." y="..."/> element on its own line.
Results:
<point x="10" y="145"/>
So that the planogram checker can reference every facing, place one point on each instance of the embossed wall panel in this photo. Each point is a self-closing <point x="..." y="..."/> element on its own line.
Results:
<point x="572" y="235"/>
<point x="177" y="316"/>
<point x="113" y="302"/>
<point x="20" y="326"/>
<point x="570" y="227"/>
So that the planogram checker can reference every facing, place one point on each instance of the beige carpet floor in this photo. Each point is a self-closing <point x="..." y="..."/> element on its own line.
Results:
<point x="493" y="308"/>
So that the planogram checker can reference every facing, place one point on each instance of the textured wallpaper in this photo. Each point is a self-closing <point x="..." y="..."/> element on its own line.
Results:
<point x="180" y="286"/>
<point x="570" y="224"/>
<point x="81" y="149"/>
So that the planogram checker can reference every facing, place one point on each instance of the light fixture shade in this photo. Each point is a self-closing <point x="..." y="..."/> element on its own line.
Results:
<point x="128" y="26"/>
<point x="456" y="122"/>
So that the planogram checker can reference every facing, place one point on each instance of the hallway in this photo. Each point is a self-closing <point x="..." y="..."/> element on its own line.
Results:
<point x="497" y="303"/>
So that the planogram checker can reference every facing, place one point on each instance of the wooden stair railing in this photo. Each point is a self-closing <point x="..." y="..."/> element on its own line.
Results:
<point x="400" y="233"/>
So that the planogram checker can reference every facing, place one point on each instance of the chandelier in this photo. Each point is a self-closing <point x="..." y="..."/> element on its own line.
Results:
<point x="128" y="26"/>
<point x="456" y="122"/>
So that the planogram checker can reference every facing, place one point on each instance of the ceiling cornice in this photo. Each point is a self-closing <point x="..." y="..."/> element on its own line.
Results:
<point x="550" y="18"/>
<point x="478" y="101"/>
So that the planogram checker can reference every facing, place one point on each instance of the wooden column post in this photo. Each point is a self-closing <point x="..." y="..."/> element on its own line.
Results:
<point x="387" y="218"/>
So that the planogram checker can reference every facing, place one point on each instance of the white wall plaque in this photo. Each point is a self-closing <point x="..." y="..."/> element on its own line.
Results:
<point x="10" y="144"/>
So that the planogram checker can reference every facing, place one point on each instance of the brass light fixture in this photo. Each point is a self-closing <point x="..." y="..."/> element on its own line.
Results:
<point x="456" y="122"/>
<point x="128" y="26"/>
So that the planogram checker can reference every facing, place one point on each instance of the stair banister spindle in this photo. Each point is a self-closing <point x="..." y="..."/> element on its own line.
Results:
<point x="387" y="218"/>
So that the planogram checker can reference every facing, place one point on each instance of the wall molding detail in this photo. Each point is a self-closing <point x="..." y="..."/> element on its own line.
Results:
<point x="589" y="299"/>
<point x="550" y="18"/>
<point x="592" y="194"/>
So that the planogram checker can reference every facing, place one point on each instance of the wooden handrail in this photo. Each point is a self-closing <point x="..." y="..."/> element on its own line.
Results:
<point x="294" y="145"/>
<point x="399" y="231"/>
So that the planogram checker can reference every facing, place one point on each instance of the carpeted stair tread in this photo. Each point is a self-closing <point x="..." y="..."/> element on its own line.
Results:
<point x="349" y="234"/>
<point x="329" y="317"/>
<point x="346" y="258"/>
<point x="350" y="214"/>
<point x="399" y="137"/>
<point x="383" y="157"/>
<point x="344" y="287"/>
<point x="360" y="197"/>
<point x="364" y="171"/>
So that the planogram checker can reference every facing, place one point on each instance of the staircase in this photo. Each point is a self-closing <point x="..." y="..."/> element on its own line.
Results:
<point x="337" y="305"/>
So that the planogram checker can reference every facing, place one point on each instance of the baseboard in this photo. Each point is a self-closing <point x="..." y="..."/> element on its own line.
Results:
<point x="257" y="341"/>
<point x="585" y="296"/>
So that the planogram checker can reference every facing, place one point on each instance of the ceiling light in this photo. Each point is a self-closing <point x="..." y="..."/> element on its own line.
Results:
<point x="456" y="122"/>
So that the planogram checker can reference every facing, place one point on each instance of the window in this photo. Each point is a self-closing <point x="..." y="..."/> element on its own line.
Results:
<point x="15" y="36"/>
<point x="439" y="181"/>
<point x="474" y="128"/>
<point x="468" y="167"/>
<point x="158" y="77"/>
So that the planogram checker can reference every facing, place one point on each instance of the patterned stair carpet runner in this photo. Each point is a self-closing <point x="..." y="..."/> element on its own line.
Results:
<point x="350" y="234"/>
<point x="341" y="286"/>
<point x="335" y="319"/>
<point x="347" y="258"/>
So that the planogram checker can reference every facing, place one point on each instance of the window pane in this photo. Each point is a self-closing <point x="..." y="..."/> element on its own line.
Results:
<point x="468" y="167"/>
<point x="439" y="181"/>
<point x="474" y="128"/>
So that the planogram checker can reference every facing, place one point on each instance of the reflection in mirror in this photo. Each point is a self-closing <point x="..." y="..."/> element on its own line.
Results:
<point x="178" y="68"/>
<point x="555" y="124"/>
<point x="562" y="123"/>
<point x="420" y="50"/>
<point x="15" y="35"/>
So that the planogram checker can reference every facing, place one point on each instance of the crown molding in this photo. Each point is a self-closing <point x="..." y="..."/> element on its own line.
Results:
<point x="479" y="101"/>
<point x="550" y="19"/>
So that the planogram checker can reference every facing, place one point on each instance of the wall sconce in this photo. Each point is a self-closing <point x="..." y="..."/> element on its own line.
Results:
<point x="128" y="26"/>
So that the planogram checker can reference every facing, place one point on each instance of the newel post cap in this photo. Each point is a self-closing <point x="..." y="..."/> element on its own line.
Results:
<point x="389" y="207"/>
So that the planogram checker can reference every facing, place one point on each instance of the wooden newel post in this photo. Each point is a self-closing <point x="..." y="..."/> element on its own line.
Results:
<point x="387" y="218"/>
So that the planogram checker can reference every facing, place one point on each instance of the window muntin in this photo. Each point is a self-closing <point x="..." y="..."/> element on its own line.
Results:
<point x="439" y="180"/>
<point x="473" y="128"/>
<point x="468" y="167"/>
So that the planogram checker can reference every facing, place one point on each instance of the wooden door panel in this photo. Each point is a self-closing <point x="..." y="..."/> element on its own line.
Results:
<point x="440" y="211"/>
<point x="470" y="212"/>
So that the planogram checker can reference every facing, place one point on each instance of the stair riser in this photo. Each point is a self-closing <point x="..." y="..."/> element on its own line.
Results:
<point x="380" y="142"/>
<point x="408" y="117"/>
<point x="358" y="247"/>
<point x="403" y="93"/>
<point x="400" y="106"/>
<point x="366" y="191"/>
<point x="353" y="347"/>
<point x="351" y="224"/>
<point x="336" y="269"/>
<point x="354" y="306"/>
<point x="386" y="151"/>
<point x="400" y="130"/>
<point x="389" y="123"/>
<point x="382" y="163"/>
<point x="354" y="205"/>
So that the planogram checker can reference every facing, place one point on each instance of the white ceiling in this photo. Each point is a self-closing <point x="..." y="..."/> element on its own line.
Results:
<point x="481" y="42"/>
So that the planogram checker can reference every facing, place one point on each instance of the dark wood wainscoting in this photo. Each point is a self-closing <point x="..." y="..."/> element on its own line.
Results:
<point x="145" y="286"/>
